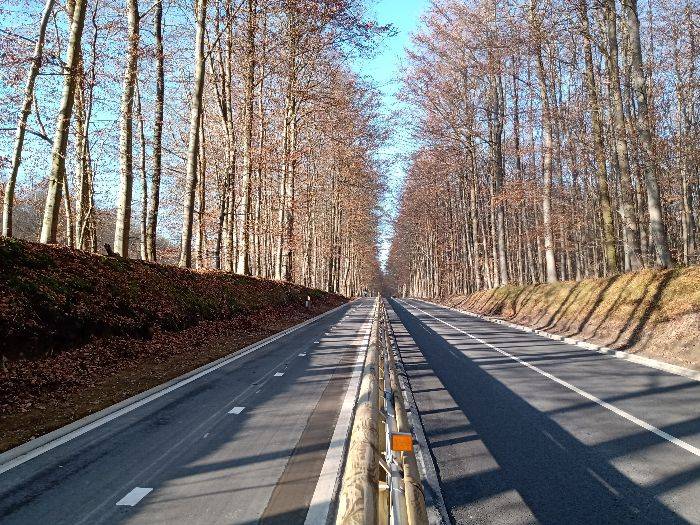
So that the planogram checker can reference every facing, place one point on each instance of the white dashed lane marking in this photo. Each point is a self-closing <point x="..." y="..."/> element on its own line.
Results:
<point x="133" y="497"/>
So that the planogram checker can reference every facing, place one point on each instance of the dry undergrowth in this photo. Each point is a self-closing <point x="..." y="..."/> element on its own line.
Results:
<point x="79" y="332"/>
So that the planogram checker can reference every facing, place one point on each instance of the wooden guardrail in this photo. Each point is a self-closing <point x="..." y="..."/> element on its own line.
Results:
<point x="381" y="481"/>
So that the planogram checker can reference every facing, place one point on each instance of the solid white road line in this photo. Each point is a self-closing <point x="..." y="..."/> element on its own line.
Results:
<point x="236" y="410"/>
<point x="629" y="417"/>
<point x="618" y="354"/>
<point x="329" y="478"/>
<point x="133" y="497"/>
<point x="279" y="374"/>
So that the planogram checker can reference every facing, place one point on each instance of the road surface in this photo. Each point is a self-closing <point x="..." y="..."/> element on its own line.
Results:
<point x="524" y="429"/>
<point x="245" y="443"/>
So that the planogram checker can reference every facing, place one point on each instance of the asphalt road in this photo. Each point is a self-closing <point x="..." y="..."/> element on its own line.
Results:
<point x="243" y="444"/>
<point x="524" y="429"/>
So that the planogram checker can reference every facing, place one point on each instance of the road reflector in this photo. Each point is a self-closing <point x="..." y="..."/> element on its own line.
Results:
<point x="401" y="442"/>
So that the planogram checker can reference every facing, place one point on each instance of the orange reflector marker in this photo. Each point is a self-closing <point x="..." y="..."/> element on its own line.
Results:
<point x="402" y="442"/>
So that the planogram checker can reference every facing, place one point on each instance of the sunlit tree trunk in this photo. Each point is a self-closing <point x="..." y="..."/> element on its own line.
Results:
<point x="551" y="270"/>
<point x="496" y="136"/>
<point x="154" y="198"/>
<point x="618" y="119"/>
<point x="126" y="136"/>
<point x="598" y="145"/>
<point x="201" y="198"/>
<point x="246" y="181"/>
<point x="193" y="143"/>
<point x="143" y="223"/>
<point x="639" y="86"/>
<point x="57" y="172"/>
<point x="37" y="58"/>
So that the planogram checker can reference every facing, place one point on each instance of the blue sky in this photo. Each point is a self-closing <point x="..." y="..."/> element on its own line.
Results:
<point x="385" y="70"/>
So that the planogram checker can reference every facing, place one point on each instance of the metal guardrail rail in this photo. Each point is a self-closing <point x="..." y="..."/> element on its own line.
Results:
<point x="381" y="481"/>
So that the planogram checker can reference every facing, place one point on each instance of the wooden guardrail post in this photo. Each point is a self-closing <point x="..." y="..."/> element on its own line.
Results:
<point x="359" y="496"/>
<point x="381" y="484"/>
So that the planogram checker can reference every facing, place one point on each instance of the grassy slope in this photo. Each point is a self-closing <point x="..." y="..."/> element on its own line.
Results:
<point x="79" y="332"/>
<point x="651" y="312"/>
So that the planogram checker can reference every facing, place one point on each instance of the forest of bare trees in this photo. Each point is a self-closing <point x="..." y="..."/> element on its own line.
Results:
<point x="557" y="140"/>
<point x="223" y="134"/>
<point x="554" y="140"/>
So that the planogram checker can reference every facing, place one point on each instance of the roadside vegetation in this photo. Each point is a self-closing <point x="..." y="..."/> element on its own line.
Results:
<point x="556" y="141"/>
<point x="655" y="313"/>
<point x="79" y="332"/>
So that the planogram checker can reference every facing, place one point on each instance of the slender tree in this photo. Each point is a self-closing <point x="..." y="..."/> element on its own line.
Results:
<point x="154" y="197"/>
<point x="37" y="58"/>
<point x="57" y="173"/>
<point x="126" y="158"/>
<point x="193" y="144"/>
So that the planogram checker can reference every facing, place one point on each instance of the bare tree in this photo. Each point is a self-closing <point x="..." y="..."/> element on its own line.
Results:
<point x="638" y="81"/>
<point x="22" y="122"/>
<point x="57" y="172"/>
<point x="126" y="158"/>
<point x="193" y="147"/>
<point x="154" y="197"/>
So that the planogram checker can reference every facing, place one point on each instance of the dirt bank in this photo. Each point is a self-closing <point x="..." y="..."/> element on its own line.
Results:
<point x="79" y="332"/>
<point x="651" y="313"/>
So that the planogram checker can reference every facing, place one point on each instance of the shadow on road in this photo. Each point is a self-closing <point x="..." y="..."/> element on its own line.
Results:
<point x="502" y="460"/>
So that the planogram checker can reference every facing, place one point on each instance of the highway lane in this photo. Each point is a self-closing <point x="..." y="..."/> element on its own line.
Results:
<point x="242" y="444"/>
<point x="524" y="429"/>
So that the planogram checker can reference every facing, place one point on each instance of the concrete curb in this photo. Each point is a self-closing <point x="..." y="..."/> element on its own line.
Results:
<point x="31" y="449"/>
<point x="619" y="354"/>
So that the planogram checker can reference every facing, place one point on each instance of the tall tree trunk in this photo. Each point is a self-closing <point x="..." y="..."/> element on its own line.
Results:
<point x="126" y="136"/>
<point x="201" y="198"/>
<point x="639" y="86"/>
<point x="57" y="173"/>
<point x="143" y="223"/>
<point x="598" y="146"/>
<point x="259" y="231"/>
<point x="154" y="201"/>
<point x="551" y="269"/>
<point x="618" y="120"/>
<point x="8" y="201"/>
<point x="289" y="147"/>
<point x="82" y="166"/>
<point x="291" y="180"/>
<point x="246" y="182"/>
<point x="496" y="137"/>
<point x="474" y="216"/>
<point x="193" y="147"/>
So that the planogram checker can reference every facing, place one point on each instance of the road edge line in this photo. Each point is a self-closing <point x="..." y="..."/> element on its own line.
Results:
<point x="585" y="345"/>
<point x="437" y="513"/>
<point x="331" y="474"/>
<point x="37" y="446"/>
